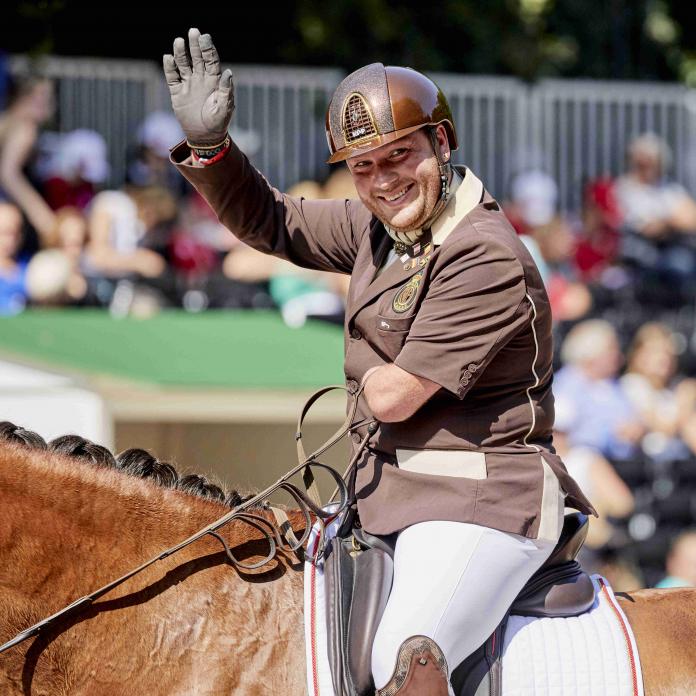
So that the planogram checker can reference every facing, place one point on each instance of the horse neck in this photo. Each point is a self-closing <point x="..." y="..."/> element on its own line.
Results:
<point x="68" y="529"/>
<point x="56" y="496"/>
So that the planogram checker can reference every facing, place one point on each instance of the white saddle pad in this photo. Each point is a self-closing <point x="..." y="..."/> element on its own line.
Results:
<point x="593" y="654"/>
<point x="589" y="655"/>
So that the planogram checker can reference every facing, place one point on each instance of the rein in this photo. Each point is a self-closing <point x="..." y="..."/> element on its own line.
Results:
<point x="308" y="501"/>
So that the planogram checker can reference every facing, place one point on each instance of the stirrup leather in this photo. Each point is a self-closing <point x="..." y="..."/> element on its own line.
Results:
<point x="421" y="670"/>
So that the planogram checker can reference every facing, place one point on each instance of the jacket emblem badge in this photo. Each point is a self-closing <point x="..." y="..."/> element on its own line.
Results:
<point x="406" y="296"/>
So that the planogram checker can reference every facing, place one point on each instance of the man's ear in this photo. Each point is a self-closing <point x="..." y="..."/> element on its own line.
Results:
<point x="443" y="142"/>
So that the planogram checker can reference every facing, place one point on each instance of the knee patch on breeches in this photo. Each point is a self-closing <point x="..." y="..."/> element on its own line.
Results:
<point x="421" y="670"/>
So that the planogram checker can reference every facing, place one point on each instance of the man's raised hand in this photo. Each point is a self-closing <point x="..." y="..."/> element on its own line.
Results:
<point x="203" y="100"/>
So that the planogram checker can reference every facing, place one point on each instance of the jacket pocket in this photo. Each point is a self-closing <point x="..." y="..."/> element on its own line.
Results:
<point x="388" y="324"/>
<point x="392" y="333"/>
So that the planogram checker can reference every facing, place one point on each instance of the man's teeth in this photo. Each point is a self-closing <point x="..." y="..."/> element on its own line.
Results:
<point x="395" y="196"/>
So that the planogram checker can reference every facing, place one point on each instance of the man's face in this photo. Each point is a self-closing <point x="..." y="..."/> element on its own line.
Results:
<point x="646" y="165"/>
<point x="400" y="182"/>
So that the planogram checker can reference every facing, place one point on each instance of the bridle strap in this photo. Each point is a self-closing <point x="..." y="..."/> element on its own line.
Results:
<point x="308" y="502"/>
<point x="347" y="426"/>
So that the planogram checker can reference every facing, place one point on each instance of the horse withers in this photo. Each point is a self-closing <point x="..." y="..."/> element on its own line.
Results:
<point x="192" y="624"/>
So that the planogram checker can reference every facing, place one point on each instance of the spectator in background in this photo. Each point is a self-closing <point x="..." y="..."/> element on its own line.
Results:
<point x="681" y="562"/>
<point x="598" y="413"/>
<point x="534" y="197"/>
<point x="159" y="132"/>
<point x="56" y="276"/>
<point x="299" y="293"/>
<point x="550" y="241"/>
<point x="613" y="499"/>
<point x="650" y="204"/>
<point x="71" y="234"/>
<point x="79" y="166"/>
<point x="666" y="403"/>
<point x="117" y="228"/>
<point x="656" y="212"/>
<point x="597" y="239"/>
<point x="12" y="272"/>
<point x="588" y="466"/>
<point x="30" y="105"/>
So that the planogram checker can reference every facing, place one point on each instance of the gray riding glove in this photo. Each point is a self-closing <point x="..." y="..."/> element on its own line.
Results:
<point x="203" y="100"/>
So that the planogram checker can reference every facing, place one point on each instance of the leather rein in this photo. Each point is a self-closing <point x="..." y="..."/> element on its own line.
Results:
<point x="277" y="535"/>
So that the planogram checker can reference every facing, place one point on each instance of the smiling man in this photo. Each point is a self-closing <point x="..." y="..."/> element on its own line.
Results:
<point x="447" y="327"/>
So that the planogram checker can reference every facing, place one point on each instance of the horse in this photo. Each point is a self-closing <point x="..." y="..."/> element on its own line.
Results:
<point x="73" y="517"/>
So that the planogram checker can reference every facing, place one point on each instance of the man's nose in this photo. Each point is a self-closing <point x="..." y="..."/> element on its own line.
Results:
<point x="385" y="180"/>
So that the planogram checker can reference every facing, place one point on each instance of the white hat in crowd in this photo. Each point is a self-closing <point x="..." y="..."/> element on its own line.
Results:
<point x="82" y="152"/>
<point x="535" y="193"/>
<point x="159" y="132"/>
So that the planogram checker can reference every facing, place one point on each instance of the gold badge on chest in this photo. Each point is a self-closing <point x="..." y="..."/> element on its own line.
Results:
<point x="406" y="295"/>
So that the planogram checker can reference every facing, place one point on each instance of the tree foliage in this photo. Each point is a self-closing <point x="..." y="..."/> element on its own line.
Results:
<point x="626" y="39"/>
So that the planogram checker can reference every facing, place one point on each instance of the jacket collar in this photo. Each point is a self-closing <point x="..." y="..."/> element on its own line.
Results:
<point x="466" y="196"/>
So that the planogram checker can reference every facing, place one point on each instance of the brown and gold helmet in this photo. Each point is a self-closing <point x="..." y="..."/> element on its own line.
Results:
<point x="378" y="104"/>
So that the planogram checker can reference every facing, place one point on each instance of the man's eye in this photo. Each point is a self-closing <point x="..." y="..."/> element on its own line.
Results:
<point x="397" y="153"/>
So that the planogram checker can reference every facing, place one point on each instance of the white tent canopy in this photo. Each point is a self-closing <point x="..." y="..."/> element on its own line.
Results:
<point x="52" y="404"/>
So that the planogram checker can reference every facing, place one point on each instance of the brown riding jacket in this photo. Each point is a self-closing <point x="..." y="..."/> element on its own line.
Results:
<point x="471" y="315"/>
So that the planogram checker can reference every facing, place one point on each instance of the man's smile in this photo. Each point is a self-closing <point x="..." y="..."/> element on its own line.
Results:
<point x="396" y="198"/>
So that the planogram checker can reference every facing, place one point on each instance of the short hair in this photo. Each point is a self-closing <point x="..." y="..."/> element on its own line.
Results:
<point x="649" y="332"/>
<point x="652" y="144"/>
<point x="587" y="340"/>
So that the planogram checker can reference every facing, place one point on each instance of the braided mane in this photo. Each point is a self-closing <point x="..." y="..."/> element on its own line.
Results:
<point x="133" y="462"/>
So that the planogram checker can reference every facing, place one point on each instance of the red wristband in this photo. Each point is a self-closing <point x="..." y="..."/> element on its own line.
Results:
<point x="210" y="160"/>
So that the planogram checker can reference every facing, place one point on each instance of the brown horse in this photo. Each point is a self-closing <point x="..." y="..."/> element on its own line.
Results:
<point x="191" y="624"/>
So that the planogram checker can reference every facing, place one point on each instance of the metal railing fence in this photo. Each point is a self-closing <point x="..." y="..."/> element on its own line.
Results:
<point x="573" y="129"/>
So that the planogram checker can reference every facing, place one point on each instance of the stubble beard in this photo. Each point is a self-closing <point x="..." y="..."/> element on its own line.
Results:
<point x="415" y="214"/>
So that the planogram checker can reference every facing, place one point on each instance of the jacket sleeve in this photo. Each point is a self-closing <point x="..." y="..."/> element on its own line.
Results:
<point x="322" y="235"/>
<point x="474" y="305"/>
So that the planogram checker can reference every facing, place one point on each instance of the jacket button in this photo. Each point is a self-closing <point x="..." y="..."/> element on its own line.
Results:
<point x="352" y="386"/>
<point x="355" y="333"/>
<point x="356" y="438"/>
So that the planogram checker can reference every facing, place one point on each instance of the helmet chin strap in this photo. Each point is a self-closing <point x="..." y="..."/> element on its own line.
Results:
<point x="406" y="239"/>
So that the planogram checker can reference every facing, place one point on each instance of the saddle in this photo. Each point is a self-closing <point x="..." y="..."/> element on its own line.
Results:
<point x="358" y="575"/>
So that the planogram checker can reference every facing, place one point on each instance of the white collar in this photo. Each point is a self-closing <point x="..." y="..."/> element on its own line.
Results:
<point x="465" y="195"/>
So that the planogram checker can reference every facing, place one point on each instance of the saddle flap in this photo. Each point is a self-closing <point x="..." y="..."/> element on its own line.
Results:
<point x="560" y="591"/>
<point x="573" y="535"/>
<point x="372" y="585"/>
<point x="358" y="573"/>
<point x="338" y="583"/>
<point x="560" y="587"/>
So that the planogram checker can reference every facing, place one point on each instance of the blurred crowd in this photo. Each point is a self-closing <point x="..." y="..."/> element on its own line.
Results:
<point x="69" y="239"/>
<point x="621" y="278"/>
<point x="620" y="273"/>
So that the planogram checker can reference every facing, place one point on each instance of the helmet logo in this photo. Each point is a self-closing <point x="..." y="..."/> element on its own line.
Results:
<point x="358" y="121"/>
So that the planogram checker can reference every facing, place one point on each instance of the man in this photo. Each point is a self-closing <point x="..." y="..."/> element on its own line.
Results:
<point x="448" y="329"/>
<point x="659" y="218"/>
<point x="651" y="205"/>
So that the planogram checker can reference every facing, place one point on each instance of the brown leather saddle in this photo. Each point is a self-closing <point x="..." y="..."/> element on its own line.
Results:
<point x="358" y="575"/>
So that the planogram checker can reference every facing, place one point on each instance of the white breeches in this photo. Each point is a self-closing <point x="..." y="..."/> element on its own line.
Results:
<point x="453" y="582"/>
